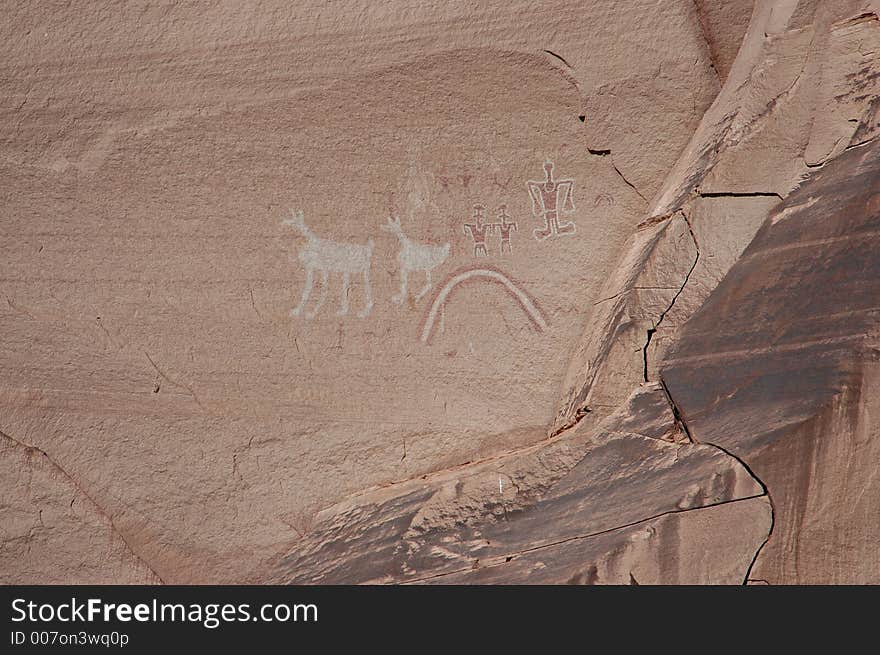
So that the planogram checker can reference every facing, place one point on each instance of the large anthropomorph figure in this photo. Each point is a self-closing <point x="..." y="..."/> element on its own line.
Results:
<point x="549" y="197"/>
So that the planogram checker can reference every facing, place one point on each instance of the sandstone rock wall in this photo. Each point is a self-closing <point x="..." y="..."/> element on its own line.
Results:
<point x="410" y="292"/>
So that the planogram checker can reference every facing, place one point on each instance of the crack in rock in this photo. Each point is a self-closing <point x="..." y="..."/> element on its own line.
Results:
<point x="500" y="560"/>
<point x="739" y="194"/>
<point x="88" y="497"/>
<point x="679" y="417"/>
<point x="628" y="183"/>
<point x="175" y="383"/>
<point x="687" y="277"/>
<point x="559" y="57"/>
<point x="706" y="32"/>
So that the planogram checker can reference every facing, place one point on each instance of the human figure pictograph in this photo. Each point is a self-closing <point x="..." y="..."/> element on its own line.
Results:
<point x="549" y="198"/>
<point x="504" y="228"/>
<point x="478" y="230"/>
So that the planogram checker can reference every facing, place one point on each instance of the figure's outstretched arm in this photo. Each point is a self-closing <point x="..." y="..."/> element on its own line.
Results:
<point x="567" y="201"/>
<point x="534" y="194"/>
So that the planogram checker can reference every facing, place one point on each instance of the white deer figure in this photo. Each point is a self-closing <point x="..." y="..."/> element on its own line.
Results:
<point x="326" y="256"/>
<point x="414" y="256"/>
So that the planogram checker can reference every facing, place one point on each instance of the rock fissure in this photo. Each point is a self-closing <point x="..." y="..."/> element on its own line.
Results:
<point x="42" y="453"/>
<point x="635" y="288"/>
<point x="559" y="57"/>
<point x="739" y="194"/>
<point x="653" y="330"/>
<point x="606" y="152"/>
<point x="570" y="425"/>
<point x="628" y="183"/>
<point x="416" y="451"/>
<point x="676" y="412"/>
<point x="769" y="500"/>
<point x="680" y="420"/>
<point x="173" y="382"/>
<point x="706" y="32"/>
<point x="500" y="560"/>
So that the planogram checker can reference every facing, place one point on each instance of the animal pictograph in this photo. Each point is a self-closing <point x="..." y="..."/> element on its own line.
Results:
<point x="414" y="257"/>
<point x="326" y="256"/>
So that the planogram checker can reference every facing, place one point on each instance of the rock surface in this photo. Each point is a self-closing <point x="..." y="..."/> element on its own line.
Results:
<point x="595" y="508"/>
<point x="419" y="292"/>
<point x="43" y="512"/>
<point x="797" y="397"/>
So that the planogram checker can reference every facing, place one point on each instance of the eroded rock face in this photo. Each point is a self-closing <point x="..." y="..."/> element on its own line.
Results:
<point x="783" y="95"/>
<point x="178" y="185"/>
<point x="449" y="294"/>
<point x="52" y="532"/>
<point x="618" y="510"/>
<point x="794" y="395"/>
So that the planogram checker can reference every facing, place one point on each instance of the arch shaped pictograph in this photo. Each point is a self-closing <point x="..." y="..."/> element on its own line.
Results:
<point x="482" y="273"/>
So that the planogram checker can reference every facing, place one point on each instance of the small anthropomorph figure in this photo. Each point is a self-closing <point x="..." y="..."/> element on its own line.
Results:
<point x="478" y="231"/>
<point x="504" y="228"/>
<point x="549" y="197"/>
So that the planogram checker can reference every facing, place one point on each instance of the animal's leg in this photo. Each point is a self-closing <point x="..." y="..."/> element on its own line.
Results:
<point x="322" y="297"/>
<point x="427" y="286"/>
<point x="307" y="290"/>
<point x="368" y="295"/>
<point x="403" y="281"/>
<point x="343" y="295"/>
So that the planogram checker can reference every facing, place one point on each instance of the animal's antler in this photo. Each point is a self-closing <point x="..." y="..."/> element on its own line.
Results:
<point x="392" y="223"/>
<point x="296" y="217"/>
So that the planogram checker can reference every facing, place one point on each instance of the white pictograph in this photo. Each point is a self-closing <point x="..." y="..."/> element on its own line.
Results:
<point x="603" y="199"/>
<point x="414" y="256"/>
<point x="549" y="198"/>
<point x="436" y="312"/>
<point x="326" y="256"/>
